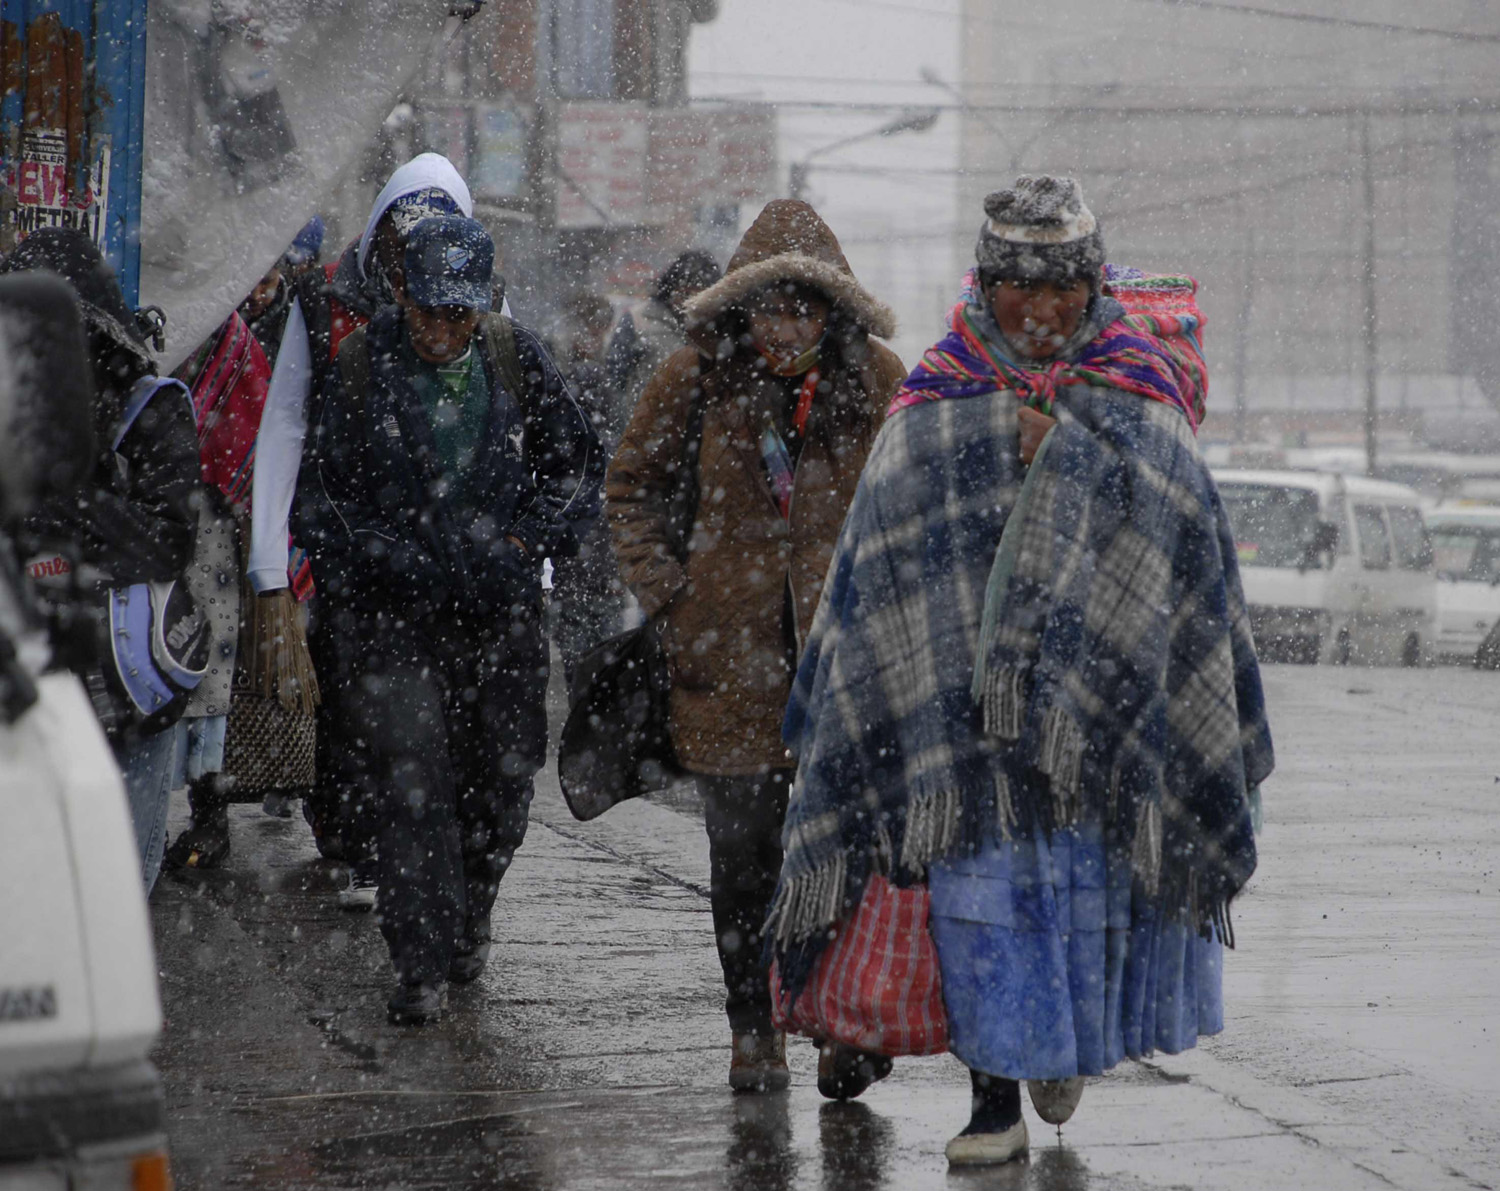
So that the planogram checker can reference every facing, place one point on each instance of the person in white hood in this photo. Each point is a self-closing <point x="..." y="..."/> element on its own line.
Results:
<point x="328" y="304"/>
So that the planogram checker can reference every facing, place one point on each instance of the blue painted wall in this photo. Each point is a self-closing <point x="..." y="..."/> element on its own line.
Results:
<point x="104" y="50"/>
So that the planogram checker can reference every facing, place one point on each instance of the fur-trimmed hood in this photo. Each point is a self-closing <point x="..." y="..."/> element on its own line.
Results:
<point x="789" y="242"/>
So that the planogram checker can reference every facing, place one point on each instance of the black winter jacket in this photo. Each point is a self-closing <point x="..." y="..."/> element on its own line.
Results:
<point x="371" y="510"/>
<point x="136" y="522"/>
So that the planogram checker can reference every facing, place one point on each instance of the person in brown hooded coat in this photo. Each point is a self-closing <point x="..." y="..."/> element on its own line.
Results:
<point x="793" y="389"/>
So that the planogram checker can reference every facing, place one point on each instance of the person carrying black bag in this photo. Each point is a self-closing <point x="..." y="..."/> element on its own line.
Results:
<point x="449" y="460"/>
<point x="792" y="388"/>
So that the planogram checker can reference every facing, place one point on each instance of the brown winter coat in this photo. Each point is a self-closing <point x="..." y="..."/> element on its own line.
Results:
<point x="727" y="632"/>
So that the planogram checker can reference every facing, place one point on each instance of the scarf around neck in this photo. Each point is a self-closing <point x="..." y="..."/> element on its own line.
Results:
<point x="1145" y="340"/>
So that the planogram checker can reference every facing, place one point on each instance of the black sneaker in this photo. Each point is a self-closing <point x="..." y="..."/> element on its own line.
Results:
<point x="468" y="962"/>
<point x="417" y="1004"/>
<point x="844" y="1072"/>
<point x="203" y="845"/>
<point x="360" y="890"/>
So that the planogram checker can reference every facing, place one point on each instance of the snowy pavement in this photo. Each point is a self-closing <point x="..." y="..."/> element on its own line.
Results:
<point x="1361" y="1048"/>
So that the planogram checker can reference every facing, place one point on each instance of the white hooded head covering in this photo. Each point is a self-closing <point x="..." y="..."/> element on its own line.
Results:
<point x="426" y="171"/>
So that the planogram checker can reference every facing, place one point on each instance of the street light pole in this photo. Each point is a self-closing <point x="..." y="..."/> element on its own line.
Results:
<point x="1371" y="327"/>
<point x="912" y="120"/>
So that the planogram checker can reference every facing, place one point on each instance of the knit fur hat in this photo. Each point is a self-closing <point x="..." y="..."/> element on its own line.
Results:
<point x="1039" y="230"/>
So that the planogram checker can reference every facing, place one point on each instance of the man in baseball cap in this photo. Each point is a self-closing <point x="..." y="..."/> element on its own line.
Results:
<point x="449" y="461"/>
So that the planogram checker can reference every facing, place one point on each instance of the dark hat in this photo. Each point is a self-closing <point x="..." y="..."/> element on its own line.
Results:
<point x="692" y="272"/>
<point x="449" y="261"/>
<point x="1040" y="230"/>
<point x="74" y="257"/>
<point x="410" y="209"/>
<point x="308" y="244"/>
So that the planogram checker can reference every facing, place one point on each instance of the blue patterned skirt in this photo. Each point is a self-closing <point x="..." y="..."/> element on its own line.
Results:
<point x="1050" y="970"/>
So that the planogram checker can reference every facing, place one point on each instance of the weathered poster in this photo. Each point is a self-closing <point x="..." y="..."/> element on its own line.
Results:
<point x="45" y="196"/>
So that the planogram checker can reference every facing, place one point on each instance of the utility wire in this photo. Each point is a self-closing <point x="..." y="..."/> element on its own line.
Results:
<point x="1311" y="18"/>
<point x="1473" y="105"/>
<point x="1250" y="10"/>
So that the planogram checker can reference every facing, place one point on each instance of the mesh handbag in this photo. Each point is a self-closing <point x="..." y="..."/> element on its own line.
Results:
<point x="269" y="743"/>
<point x="877" y="985"/>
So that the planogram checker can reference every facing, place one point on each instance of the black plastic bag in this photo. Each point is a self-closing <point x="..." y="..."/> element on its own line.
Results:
<point x="616" y="744"/>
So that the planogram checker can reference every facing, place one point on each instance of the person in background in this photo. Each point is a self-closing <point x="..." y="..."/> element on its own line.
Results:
<point x="448" y="461"/>
<point x="588" y="595"/>
<point x="135" y="518"/>
<point x="792" y="389"/>
<point x="266" y="746"/>
<point x="328" y="304"/>
<point x="266" y="307"/>
<point x="645" y="340"/>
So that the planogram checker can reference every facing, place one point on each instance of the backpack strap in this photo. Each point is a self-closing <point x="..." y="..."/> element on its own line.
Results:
<point x="499" y="342"/>
<point x="354" y="366"/>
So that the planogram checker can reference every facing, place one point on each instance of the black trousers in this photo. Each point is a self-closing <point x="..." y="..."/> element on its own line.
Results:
<point x="453" y="727"/>
<point x="744" y="817"/>
<point x="340" y="801"/>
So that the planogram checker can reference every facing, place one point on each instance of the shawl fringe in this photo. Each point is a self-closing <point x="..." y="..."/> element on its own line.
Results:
<point x="1003" y="700"/>
<point x="932" y="827"/>
<point x="1145" y="851"/>
<point x="808" y="902"/>
<point x="1061" y="759"/>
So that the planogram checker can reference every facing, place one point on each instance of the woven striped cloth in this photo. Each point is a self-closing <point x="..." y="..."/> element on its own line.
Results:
<point x="228" y="377"/>
<point x="1154" y="351"/>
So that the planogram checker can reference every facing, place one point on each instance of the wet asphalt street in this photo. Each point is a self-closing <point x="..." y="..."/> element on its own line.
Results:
<point x="1362" y="1048"/>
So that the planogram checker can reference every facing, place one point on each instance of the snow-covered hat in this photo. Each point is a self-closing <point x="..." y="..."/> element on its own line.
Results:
<point x="1040" y="230"/>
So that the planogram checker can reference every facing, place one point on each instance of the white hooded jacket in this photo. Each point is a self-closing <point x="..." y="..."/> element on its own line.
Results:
<point x="283" y="424"/>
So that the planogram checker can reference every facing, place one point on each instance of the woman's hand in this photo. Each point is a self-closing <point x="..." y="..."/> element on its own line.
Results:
<point x="1034" y="428"/>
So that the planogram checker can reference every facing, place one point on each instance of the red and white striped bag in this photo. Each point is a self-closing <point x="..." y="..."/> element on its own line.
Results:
<point x="876" y="986"/>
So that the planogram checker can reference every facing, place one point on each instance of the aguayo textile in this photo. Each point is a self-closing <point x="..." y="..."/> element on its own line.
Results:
<point x="228" y="377"/>
<point x="270" y="731"/>
<point x="1149" y="344"/>
<point x="1120" y="695"/>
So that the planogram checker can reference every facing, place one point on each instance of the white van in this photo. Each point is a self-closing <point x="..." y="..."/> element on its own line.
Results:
<point x="1466" y="553"/>
<point x="80" y="1103"/>
<point x="1336" y="568"/>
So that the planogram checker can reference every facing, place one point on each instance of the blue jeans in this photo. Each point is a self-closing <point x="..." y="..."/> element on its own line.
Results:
<point x="152" y="768"/>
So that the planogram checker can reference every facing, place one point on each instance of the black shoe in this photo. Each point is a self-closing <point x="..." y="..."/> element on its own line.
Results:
<point x="844" y="1072"/>
<point x="467" y="964"/>
<point x="203" y="845"/>
<point x="326" y="834"/>
<point x="417" y="1004"/>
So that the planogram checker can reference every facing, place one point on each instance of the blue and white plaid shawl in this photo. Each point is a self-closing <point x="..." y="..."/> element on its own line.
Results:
<point x="1111" y="679"/>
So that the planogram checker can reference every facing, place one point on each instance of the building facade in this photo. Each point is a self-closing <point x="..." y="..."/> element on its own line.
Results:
<point x="1328" y="172"/>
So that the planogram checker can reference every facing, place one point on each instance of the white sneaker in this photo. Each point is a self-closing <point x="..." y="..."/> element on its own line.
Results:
<point x="1055" y="1100"/>
<point x="989" y="1149"/>
<point x="359" y="893"/>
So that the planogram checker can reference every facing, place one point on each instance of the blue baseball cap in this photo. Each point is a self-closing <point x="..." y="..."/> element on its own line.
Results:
<point x="449" y="261"/>
<point x="308" y="244"/>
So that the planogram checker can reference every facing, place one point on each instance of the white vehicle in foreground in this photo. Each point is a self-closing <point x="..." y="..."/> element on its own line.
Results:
<point x="1335" y="568"/>
<point x="1466" y="552"/>
<point x="80" y="1104"/>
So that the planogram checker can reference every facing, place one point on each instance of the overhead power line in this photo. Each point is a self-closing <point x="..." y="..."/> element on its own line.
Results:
<point x="1250" y="110"/>
<point x="1312" y="18"/>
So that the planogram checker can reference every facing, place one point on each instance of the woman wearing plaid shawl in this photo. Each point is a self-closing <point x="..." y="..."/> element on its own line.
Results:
<point x="1030" y="683"/>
